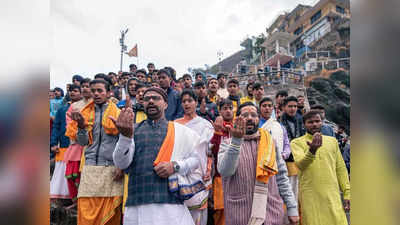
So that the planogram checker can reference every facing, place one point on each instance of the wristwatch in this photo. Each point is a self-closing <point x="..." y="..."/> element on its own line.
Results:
<point x="176" y="166"/>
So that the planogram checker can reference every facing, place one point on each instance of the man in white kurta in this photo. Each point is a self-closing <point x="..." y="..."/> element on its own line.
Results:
<point x="150" y="199"/>
<point x="198" y="203"/>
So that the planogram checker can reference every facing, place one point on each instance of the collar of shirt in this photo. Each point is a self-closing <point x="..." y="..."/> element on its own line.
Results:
<point x="156" y="124"/>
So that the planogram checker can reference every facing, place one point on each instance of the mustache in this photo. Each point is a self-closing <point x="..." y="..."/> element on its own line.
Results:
<point x="152" y="107"/>
<point x="250" y="123"/>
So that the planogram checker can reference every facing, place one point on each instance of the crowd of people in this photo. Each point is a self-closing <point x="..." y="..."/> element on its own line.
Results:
<point x="143" y="147"/>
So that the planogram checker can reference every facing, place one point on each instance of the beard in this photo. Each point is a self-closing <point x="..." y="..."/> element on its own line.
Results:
<point x="155" y="112"/>
<point x="313" y="130"/>
<point x="253" y="130"/>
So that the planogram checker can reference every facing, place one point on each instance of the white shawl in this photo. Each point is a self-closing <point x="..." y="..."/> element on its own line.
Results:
<point x="185" y="186"/>
<point x="275" y="129"/>
<point x="206" y="131"/>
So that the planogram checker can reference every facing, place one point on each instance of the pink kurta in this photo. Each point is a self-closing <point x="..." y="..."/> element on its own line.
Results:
<point x="74" y="152"/>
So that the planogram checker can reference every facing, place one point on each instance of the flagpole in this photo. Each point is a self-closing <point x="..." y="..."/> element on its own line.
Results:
<point x="137" y="55"/>
<point x="123" y="46"/>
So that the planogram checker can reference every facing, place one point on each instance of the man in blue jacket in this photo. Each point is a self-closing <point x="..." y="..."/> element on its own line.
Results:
<point x="59" y="144"/>
<point x="326" y="128"/>
<point x="174" y="109"/>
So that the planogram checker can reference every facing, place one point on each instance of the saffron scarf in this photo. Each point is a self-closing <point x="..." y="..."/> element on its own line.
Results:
<point x="266" y="161"/>
<point x="88" y="112"/>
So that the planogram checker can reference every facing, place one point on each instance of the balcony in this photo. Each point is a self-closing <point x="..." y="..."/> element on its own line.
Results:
<point x="277" y="49"/>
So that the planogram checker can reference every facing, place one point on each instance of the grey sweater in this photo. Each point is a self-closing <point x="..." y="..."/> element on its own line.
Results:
<point x="228" y="160"/>
<point x="100" y="152"/>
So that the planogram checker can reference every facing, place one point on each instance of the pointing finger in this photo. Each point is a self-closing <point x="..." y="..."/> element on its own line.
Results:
<point x="113" y="120"/>
<point x="128" y="103"/>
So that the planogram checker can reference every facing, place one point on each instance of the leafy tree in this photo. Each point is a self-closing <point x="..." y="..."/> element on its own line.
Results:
<point x="259" y="41"/>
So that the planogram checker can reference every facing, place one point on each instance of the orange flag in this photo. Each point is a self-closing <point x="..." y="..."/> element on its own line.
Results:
<point x="133" y="51"/>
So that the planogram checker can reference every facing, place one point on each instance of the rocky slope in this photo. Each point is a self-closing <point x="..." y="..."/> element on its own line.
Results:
<point x="334" y="94"/>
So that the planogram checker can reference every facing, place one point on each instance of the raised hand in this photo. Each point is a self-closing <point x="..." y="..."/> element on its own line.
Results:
<point x="77" y="116"/>
<point x="128" y="102"/>
<point x="55" y="149"/>
<point x="294" y="220"/>
<point x="124" y="123"/>
<point x="316" y="143"/>
<point x="218" y="124"/>
<point x="239" y="129"/>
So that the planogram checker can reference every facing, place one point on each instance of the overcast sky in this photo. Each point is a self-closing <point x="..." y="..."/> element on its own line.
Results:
<point x="181" y="34"/>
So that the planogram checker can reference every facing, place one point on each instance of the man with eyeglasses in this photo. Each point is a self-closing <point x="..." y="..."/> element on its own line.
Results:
<point x="247" y="164"/>
<point x="160" y="158"/>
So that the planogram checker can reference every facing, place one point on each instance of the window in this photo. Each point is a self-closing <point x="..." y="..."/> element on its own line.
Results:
<point x="316" y="16"/>
<point x="298" y="30"/>
<point x="340" y="9"/>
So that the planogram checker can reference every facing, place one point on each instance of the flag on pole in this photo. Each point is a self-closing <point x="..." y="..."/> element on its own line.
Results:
<point x="133" y="52"/>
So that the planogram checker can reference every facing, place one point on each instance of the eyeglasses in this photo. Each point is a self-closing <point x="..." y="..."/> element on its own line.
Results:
<point x="153" y="97"/>
<point x="252" y="114"/>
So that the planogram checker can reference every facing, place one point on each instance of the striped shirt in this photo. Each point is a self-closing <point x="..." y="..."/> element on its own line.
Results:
<point x="238" y="169"/>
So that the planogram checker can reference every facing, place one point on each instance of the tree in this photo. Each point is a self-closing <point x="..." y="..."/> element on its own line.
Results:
<point x="258" y="48"/>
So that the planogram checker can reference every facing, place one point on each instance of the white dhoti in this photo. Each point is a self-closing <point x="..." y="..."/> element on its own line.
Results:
<point x="58" y="183"/>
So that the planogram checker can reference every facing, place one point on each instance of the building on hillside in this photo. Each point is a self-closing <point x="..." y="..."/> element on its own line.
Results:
<point x="305" y="41"/>
<point x="317" y="22"/>
<point x="277" y="50"/>
<point x="297" y="39"/>
<point x="283" y="21"/>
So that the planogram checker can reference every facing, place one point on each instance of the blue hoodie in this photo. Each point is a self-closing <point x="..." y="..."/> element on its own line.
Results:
<point x="59" y="128"/>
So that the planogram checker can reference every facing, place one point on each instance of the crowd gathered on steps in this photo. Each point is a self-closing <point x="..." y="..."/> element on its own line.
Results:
<point x="143" y="147"/>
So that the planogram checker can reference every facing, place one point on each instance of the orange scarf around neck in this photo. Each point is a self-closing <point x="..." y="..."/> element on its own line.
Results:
<point x="266" y="161"/>
<point x="88" y="113"/>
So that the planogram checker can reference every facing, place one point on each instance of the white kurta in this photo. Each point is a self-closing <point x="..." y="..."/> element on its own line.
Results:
<point x="206" y="131"/>
<point x="272" y="126"/>
<point x="160" y="214"/>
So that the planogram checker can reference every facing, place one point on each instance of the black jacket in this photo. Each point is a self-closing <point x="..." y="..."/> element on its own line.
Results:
<point x="299" y="129"/>
<point x="211" y="110"/>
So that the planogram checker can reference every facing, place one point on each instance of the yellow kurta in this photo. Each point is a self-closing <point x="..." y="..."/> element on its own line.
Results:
<point x="247" y="99"/>
<point x="320" y="177"/>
